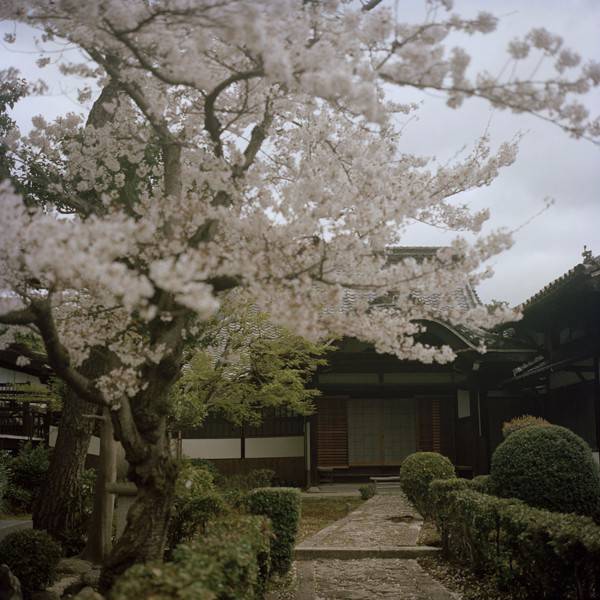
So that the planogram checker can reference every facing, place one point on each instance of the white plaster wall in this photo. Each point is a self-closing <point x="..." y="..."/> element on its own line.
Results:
<point x="10" y="376"/>
<point x="94" y="447"/>
<point x="216" y="448"/>
<point x="52" y="435"/>
<point x="275" y="447"/>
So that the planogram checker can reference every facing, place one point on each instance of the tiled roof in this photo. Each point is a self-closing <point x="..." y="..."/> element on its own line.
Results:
<point x="464" y="297"/>
<point x="590" y="267"/>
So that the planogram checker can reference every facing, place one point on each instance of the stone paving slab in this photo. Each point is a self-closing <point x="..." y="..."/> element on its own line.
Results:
<point x="367" y="555"/>
<point x="374" y="578"/>
<point x="383" y="521"/>
<point x="344" y="553"/>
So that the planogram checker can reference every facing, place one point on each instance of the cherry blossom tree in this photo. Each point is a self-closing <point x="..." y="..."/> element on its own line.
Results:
<point x="243" y="144"/>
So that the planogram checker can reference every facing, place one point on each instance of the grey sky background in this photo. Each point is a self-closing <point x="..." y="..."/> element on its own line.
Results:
<point x="550" y="164"/>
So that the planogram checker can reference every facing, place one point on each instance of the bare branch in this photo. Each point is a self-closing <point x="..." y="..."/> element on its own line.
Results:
<point x="211" y="123"/>
<point x="257" y="137"/>
<point x="370" y="5"/>
<point x="23" y="316"/>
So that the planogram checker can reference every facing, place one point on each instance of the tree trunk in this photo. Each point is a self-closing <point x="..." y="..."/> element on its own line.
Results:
<point x="147" y="520"/>
<point x="58" y="507"/>
<point x="140" y="424"/>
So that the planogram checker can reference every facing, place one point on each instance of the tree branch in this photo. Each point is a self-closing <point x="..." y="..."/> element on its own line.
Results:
<point x="58" y="355"/>
<point x="211" y="123"/>
<point x="370" y="5"/>
<point x="23" y="316"/>
<point x="257" y="137"/>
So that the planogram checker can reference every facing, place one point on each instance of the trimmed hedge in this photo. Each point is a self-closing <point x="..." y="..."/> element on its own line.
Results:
<point x="547" y="467"/>
<point x="282" y="506"/>
<point x="416" y="473"/>
<point x="229" y="563"/>
<point x="190" y="517"/>
<point x="535" y="554"/>
<point x="521" y="422"/>
<point x="160" y="581"/>
<point x="196" y="503"/>
<point x="32" y="556"/>
<point x="367" y="491"/>
<point x="482" y="484"/>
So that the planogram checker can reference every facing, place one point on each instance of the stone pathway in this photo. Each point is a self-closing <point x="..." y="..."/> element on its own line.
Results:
<point x="368" y="555"/>
<point x="384" y="520"/>
<point x="10" y="525"/>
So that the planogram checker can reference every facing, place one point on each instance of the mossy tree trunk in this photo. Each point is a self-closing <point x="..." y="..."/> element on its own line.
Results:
<point x="140" y="424"/>
<point x="58" y="508"/>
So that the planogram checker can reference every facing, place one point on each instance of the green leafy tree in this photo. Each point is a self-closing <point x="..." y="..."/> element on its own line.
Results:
<point x="239" y="364"/>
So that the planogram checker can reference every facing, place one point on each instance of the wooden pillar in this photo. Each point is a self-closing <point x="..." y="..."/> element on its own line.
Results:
<point x="597" y="399"/>
<point x="475" y="430"/>
<point x="242" y="442"/>
<point x="314" y="433"/>
<point x="485" y="432"/>
<point x="99" y="542"/>
<point x="307" y="453"/>
<point x="27" y="421"/>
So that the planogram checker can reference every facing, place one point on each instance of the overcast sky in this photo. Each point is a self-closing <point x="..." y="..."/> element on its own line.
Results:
<point x="550" y="164"/>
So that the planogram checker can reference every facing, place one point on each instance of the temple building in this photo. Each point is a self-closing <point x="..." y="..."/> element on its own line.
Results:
<point x="374" y="409"/>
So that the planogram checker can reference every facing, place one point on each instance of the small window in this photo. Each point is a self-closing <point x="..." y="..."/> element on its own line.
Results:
<point x="463" y="404"/>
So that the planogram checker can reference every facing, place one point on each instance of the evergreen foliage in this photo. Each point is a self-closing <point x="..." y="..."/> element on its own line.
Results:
<point x="548" y="467"/>
<point x="282" y="506"/>
<point x="230" y="562"/>
<point x="535" y="554"/>
<point x="32" y="556"/>
<point x="416" y="473"/>
<point x="196" y="503"/>
<point x="25" y="475"/>
<point x="520" y="422"/>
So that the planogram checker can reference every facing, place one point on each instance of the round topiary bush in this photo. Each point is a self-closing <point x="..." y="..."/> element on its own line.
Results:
<point x="548" y="467"/>
<point x="521" y="422"/>
<point x="416" y="473"/>
<point x="32" y="556"/>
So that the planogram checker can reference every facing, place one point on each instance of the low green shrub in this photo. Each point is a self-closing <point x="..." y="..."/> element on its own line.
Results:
<point x="438" y="503"/>
<point x="18" y="500"/>
<point x="416" y="473"/>
<point x="235" y="498"/>
<point x="230" y="562"/>
<point x="255" y="478"/>
<point x="160" y="581"/>
<point x="209" y="465"/>
<point x="190" y="518"/>
<point x="4" y="479"/>
<point x="234" y="556"/>
<point x="548" y="467"/>
<point x="32" y="556"/>
<point x="196" y="502"/>
<point x="367" y="491"/>
<point x="26" y="473"/>
<point x="29" y="467"/>
<point x="482" y="484"/>
<point x="282" y="506"/>
<point x="534" y="554"/>
<point x="521" y="422"/>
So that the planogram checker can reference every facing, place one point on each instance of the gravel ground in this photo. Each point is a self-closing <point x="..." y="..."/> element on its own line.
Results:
<point x="462" y="581"/>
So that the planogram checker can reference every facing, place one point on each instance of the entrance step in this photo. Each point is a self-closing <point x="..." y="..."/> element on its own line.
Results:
<point x="353" y="552"/>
